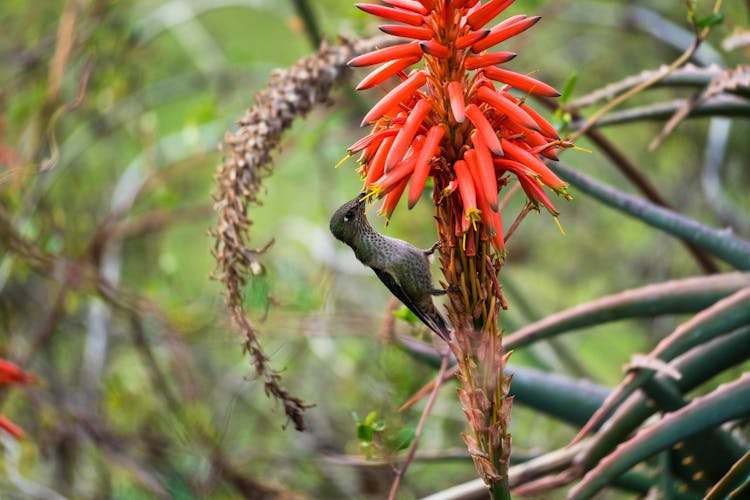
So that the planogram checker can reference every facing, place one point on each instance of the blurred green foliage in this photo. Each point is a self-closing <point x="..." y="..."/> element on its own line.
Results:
<point x="137" y="159"/>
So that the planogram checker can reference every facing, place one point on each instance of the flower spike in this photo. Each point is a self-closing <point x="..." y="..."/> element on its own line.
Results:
<point x="420" y="127"/>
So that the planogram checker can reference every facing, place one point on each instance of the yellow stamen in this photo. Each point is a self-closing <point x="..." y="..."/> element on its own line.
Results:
<point x="559" y="226"/>
<point x="342" y="160"/>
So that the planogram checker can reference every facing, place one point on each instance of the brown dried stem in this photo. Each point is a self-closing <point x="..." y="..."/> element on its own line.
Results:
<point x="291" y="93"/>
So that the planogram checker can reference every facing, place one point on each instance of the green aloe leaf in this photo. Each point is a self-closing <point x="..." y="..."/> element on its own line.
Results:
<point x="672" y="297"/>
<point x="726" y="403"/>
<point x="723" y="317"/>
<point x="723" y="244"/>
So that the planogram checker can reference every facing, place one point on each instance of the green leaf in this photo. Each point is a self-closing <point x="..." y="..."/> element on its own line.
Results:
<point x="365" y="433"/>
<point x="711" y="20"/>
<point x="405" y="314"/>
<point x="567" y="91"/>
<point x="371" y="417"/>
<point x="403" y="439"/>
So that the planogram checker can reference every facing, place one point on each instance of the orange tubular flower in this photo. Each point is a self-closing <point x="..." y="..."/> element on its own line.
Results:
<point x="461" y="118"/>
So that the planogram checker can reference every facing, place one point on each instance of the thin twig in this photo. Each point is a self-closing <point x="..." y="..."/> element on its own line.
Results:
<point x="526" y="209"/>
<point x="420" y="427"/>
<point x="685" y="57"/>
<point x="631" y="171"/>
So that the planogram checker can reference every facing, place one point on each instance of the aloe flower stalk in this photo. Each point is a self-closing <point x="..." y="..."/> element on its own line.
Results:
<point x="462" y="120"/>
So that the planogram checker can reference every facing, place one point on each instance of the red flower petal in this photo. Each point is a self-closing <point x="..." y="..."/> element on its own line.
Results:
<point x="498" y="239"/>
<point x="408" y="5"/>
<point x="11" y="373"/>
<point x="389" y="181"/>
<point x="464" y="41"/>
<point x="488" y="60"/>
<point x="468" y="194"/>
<point x="375" y="137"/>
<point x="456" y="98"/>
<point x="460" y="4"/>
<point x="485" y="129"/>
<point x="402" y="16"/>
<point x="503" y="31"/>
<point x="407" y="133"/>
<point x="406" y="31"/>
<point x="405" y="50"/>
<point x="545" y="127"/>
<point x="399" y="94"/>
<point x="504" y="106"/>
<point x="422" y="167"/>
<point x="376" y="167"/>
<point x="435" y="49"/>
<point x="516" y="167"/>
<point x="11" y="428"/>
<point x="492" y="223"/>
<point x="521" y="82"/>
<point x="515" y="152"/>
<point x="535" y="193"/>
<point x="386" y="71"/>
<point x="484" y="172"/>
<point x="465" y="185"/>
<point x="486" y="12"/>
<point x="547" y="150"/>
<point x="391" y="199"/>
<point x="538" y="142"/>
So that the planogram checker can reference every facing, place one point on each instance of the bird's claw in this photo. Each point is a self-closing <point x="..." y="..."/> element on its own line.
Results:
<point x="434" y="247"/>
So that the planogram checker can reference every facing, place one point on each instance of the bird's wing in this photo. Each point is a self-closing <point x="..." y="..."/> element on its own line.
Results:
<point x="434" y="321"/>
<point x="394" y="286"/>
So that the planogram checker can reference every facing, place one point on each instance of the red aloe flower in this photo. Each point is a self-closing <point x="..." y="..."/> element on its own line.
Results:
<point x="420" y="127"/>
<point x="10" y="373"/>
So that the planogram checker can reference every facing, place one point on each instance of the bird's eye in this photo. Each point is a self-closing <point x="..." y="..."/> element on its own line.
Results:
<point x="348" y="215"/>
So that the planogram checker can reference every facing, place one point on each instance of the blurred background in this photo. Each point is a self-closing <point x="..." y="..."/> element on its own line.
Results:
<point x="111" y="113"/>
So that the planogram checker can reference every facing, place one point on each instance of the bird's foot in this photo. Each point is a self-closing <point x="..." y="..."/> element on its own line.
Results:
<point x="432" y="249"/>
<point x="443" y="291"/>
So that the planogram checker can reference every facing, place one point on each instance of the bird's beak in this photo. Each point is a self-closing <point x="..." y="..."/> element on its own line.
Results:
<point x="361" y="197"/>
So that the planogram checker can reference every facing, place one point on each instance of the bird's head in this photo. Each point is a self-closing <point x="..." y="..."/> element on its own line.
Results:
<point x="349" y="219"/>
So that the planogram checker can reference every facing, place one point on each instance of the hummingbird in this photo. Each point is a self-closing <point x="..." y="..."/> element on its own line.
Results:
<point x="401" y="266"/>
